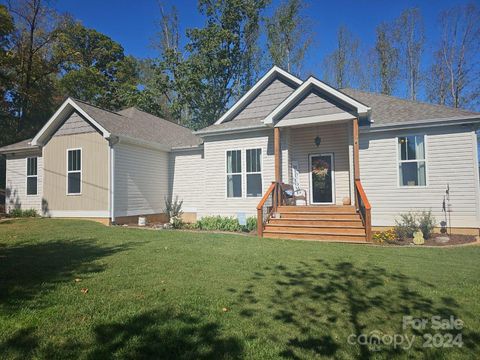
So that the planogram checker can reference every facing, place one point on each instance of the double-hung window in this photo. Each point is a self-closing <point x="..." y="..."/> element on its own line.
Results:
<point x="74" y="171"/>
<point x="234" y="173"/>
<point x="254" y="172"/>
<point x="32" y="177"/>
<point x="412" y="160"/>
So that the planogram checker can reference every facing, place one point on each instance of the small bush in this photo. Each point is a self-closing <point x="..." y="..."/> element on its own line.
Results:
<point x="426" y="223"/>
<point x="409" y="223"/>
<point x="406" y="226"/>
<point x="222" y="223"/>
<point x="385" y="236"/>
<point x="17" y="213"/>
<point x="251" y="224"/>
<point x="174" y="211"/>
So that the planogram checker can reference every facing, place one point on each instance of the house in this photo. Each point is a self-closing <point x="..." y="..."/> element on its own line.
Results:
<point x="360" y="158"/>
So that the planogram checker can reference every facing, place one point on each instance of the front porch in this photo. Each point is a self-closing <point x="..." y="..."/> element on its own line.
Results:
<point x="317" y="193"/>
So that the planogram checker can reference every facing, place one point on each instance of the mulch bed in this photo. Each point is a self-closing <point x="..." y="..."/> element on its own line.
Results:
<point x="454" y="240"/>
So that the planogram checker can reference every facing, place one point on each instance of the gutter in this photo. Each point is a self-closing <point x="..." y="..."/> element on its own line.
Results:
<point x="463" y="120"/>
<point x="205" y="133"/>
<point x="187" y="148"/>
<point x="147" y="144"/>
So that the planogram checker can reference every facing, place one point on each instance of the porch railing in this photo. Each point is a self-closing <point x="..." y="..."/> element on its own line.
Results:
<point x="268" y="205"/>
<point x="364" y="208"/>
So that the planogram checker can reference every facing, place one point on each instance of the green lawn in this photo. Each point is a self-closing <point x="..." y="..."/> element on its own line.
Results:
<point x="162" y="294"/>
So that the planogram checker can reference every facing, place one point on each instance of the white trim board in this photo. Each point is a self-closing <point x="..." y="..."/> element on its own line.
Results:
<point x="256" y="89"/>
<point x="79" y="213"/>
<point x="311" y="120"/>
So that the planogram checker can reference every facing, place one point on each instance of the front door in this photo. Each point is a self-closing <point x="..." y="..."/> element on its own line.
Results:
<point x="322" y="179"/>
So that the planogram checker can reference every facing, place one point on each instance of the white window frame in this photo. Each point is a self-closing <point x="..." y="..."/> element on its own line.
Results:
<point x="232" y="173"/>
<point x="254" y="173"/>
<point x="31" y="176"/>
<point x="399" y="161"/>
<point x="75" y="171"/>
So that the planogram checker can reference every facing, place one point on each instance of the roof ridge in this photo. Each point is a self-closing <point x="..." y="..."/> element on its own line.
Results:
<point x="96" y="106"/>
<point x="158" y="117"/>
<point x="410" y="100"/>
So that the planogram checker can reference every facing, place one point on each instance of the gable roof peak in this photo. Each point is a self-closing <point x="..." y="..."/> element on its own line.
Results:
<point x="274" y="72"/>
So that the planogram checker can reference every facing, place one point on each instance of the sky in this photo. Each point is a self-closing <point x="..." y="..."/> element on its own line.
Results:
<point x="133" y="23"/>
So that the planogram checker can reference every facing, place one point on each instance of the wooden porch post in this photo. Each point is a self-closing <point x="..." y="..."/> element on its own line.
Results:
<point x="276" y="149"/>
<point x="356" y="152"/>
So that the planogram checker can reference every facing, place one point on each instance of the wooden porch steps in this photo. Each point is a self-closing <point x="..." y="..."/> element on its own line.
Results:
<point x="324" y="223"/>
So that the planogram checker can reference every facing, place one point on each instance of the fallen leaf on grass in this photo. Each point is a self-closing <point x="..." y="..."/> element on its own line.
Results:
<point x="225" y="309"/>
<point x="78" y="280"/>
<point x="84" y="290"/>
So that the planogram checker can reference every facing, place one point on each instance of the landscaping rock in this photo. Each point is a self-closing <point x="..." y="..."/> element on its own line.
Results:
<point x="442" y="239"/>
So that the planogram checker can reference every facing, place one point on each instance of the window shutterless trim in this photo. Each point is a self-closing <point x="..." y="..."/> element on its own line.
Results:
<point x="254" y="172"/>
<point x="31" y="176"/>
<point x="233" y="173"/>
<point x="399" y="161"/>
<point x="75" y="171"/>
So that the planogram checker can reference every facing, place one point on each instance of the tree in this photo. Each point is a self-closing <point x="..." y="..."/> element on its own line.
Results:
<point x="7" y="128"/>
<point x="95" y="68"/>
<point x="32" y="94"/>
<point x="218" y="63"/>
<point x="409" y="35"/>
<point x="342" y="68"/>
<point x="456" y="62"/>
<point x="288" y="36"/>
<point x="387" y="58"/>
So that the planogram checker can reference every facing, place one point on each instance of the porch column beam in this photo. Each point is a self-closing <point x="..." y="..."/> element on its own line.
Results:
<point x="276" y="149"/>
<point x="356" y="151"/>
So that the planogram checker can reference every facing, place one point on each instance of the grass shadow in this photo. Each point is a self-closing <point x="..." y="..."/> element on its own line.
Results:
<point x="30" y="268"/>
<point x="321" y="304"/>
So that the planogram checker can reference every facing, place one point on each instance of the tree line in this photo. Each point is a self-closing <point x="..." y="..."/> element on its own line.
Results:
<point x="46" y="56"/>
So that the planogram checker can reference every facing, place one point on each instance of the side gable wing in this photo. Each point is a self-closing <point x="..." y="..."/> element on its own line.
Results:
<point x="61" y="115"/>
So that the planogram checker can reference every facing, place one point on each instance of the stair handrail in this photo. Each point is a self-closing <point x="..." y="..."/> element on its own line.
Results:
<point x="364" y="208"/>
<point x="274" y="191"/>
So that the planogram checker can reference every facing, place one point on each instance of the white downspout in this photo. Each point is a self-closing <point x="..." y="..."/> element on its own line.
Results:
<point x="112" y="184"/>
<point x="112" y="141"/>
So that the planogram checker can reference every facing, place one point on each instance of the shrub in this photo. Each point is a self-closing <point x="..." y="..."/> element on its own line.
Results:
<point x="426" y="223"/>
<point x="385" y="236"/>
<point x="251" y="224"/>
<point x="174" y="211"/>
<point x="406" y="226"/>
<point x="412" y="222"/>
<point x="222" y="223"/>
<point x="16" y="213"/>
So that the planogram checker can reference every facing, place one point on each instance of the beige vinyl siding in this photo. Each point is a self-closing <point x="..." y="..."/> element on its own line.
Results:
<point x="215" y="195"/>
<point x="74" y="124"/>
<point x="140" y="180"/>
<point x="451" y="154"/>
<point x="334" y="139"/>
<point x="313" y="105"/>
<point x="187" y="179"/>
<point x="16" y="183"/>
<point x="94" y="198"/>
<point x="266" y="101"/>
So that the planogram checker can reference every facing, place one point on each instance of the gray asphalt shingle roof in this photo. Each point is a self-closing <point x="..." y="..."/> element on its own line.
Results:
<point x="391" y="110"/>
<point x="140" y="125"/>
<point x="132" y="123"/>
<point x="21" y="145"/>
<point x="386" y="110"/>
